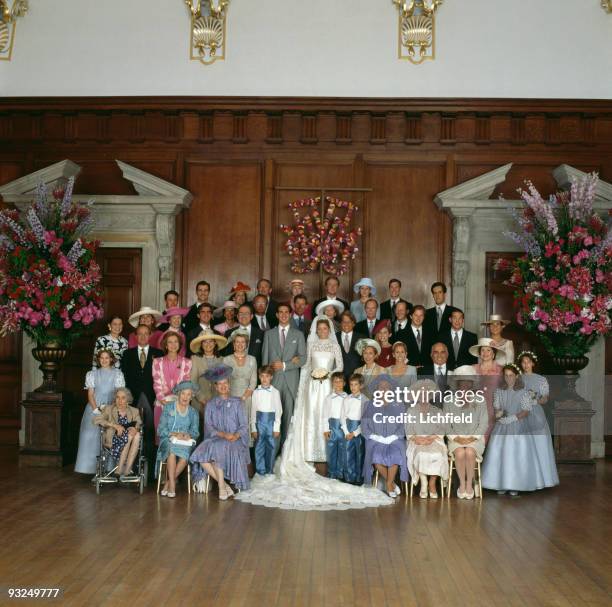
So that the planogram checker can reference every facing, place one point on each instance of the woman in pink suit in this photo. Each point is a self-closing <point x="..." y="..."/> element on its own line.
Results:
<point x="168" y="371"/>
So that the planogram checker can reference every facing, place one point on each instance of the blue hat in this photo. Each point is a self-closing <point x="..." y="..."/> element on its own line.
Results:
<point x="218" y="373"/>
<point x="365" y="282"/>
<point x="382" y="378"/>
<point x="185" y="385"/>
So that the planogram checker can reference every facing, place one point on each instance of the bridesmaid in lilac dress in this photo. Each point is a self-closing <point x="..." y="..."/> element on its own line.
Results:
<point x="224" y="454"/>
<point x="385" y="439"/>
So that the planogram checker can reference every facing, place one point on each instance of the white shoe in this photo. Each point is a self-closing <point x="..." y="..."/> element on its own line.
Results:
<point x="223" y="496"/>
<point x="460" y="494"/>
<point x="171" y="494"/>
<point x="433" y="495"/>
<point x="164" y="492"/>
<point x="469" y="496"/>
<point x="501" y="493"/>
<point x="513" y="493"/>
<point x="423" y="495"/>
<point x="397" y="491"/>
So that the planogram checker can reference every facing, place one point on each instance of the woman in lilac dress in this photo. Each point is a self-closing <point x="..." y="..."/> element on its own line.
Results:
<point x="383" y="428"/>
<point x="224" y="454"/>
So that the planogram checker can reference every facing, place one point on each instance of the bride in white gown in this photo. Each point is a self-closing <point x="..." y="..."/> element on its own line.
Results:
<point x="295" y="485"/>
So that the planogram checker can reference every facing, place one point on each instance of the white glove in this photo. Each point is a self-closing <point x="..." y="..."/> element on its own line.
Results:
<point x="390" y="439"/>
<point x="509" y="419"/>
<point x="376" y="438"/>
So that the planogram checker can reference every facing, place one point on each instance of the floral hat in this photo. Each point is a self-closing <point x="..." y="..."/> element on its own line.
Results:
<point x="185" y="385"/>
<point x="218" y="373"/>
<point x="365" y="282"/>
<point x="240" y="286"/>
<point x="364" y="343"/>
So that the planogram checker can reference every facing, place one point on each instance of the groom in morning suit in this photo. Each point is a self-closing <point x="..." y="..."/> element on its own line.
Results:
<point x="284" y="348"/>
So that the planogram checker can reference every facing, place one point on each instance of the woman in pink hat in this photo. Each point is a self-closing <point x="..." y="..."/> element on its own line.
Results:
<point x="174" y="318"/>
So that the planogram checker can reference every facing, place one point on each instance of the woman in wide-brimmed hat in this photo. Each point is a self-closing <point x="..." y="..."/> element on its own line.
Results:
<point x="496" y="325"/>
<point x="239" y="293"/>
<point x="369" y="350"/>
<point x="174" y="317"/>
<point x="365" y="289"/>
<point x="178" y="431"/>
<point x="224" y="454"/>
<point x="206" y="348"/>
<point x="489" y="372"/>
<point x="228" y="312"/>
<point x="331" y="308"/>
<point x="149" y="317"/>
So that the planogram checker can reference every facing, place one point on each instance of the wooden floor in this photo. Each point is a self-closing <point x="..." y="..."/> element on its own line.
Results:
<point x="552" y="547"/>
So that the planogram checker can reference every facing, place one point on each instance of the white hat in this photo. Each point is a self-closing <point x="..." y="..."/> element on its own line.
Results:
<point x="329" y="302"/>
<point x="364" y="343"/>
<point x="228" y="304"/>
<point x="134" y="319"/>
<point x="495" y="318"/>
<point x="482" y="342"/>
<point x="462" y="373"/>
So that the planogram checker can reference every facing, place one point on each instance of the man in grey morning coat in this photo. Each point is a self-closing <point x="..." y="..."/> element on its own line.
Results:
<point x="284" y="348"/>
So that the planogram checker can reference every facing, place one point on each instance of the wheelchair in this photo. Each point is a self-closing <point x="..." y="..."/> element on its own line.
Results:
<point x="106" y="467"/>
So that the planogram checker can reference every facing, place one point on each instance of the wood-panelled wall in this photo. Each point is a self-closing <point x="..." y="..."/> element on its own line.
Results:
<point x="232" y="153"/>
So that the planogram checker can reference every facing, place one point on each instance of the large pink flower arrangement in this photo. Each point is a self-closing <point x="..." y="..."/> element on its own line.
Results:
<point x="48" y="276"/>
<point x="562" y="283"/>
<point x="321" y="239"/>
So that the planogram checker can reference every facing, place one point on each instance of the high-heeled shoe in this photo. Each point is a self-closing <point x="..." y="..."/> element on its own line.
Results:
<point x="223" y="495"/>
<point x="433" y="495"/>
<point x="460" y="494"/>
<point x="469" y="496"/>
<point x="164" y="492"/>
<point x="171" y="494"/>
<point x="423" y="494"/>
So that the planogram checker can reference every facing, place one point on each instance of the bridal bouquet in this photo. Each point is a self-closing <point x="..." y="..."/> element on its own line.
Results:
<point x="49" y="279"/>
<point x="562" y="283"/>
<point x="320" y="374"/>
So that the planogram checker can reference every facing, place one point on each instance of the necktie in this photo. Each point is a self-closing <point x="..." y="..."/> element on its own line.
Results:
<point x="347" y="345"/>
<point x="301" y="323"/>
<point x="262" y="323"/>
<point x="439" y="317"/>
<point x="393" y="310"/>
<point x="370" y="327"/>
<point x="440" y="378"/>
<point x="143" y="358"/>
<point x="282" y="338"/>
<point x="418" y="339"/>
<point x="456" y="345"/>
<point x="399" y="326"/>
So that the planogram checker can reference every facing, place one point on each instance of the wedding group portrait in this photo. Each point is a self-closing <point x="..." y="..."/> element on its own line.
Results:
<point x="306" y="303"/>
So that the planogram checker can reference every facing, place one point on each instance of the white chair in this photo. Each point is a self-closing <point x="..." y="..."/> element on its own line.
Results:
<point x="162" y="470"/>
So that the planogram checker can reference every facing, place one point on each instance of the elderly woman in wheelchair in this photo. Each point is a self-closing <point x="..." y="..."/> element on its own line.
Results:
<point x="121" y="425"/>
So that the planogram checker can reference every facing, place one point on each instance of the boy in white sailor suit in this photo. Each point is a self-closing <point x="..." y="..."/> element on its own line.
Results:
<point x="332" y="407"/>
<point x="266" y="413"/>
<point x="350" y="419"/>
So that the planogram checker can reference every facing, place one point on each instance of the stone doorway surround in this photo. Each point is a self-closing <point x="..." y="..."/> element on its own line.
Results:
<point x="145" y="220"/>
<point x="478" y="223"/>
